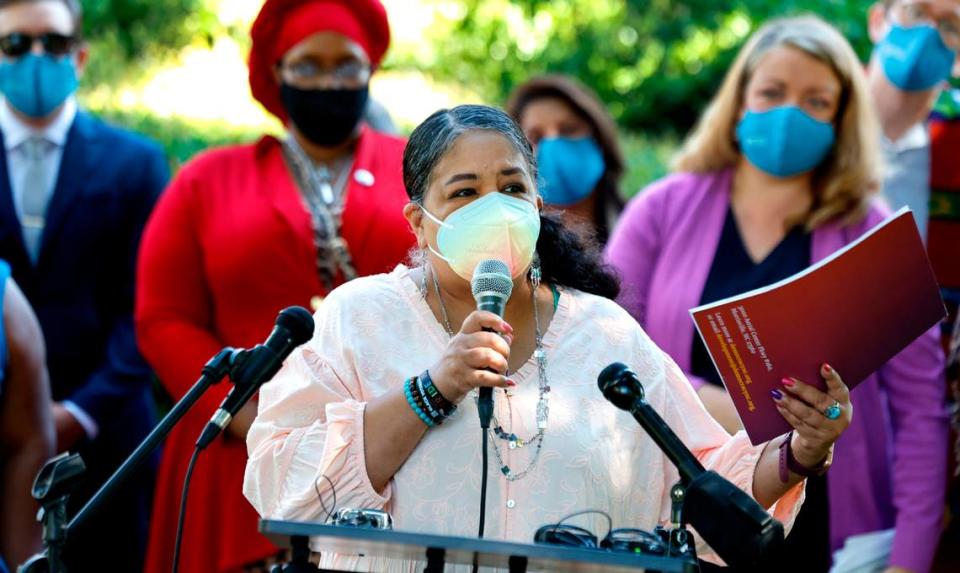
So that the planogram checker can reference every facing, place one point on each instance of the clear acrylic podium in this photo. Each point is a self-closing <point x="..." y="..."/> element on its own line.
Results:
<point x="438" y="550"/>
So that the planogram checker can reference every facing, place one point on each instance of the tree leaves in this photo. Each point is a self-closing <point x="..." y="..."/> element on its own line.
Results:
<point x="655" y="62"/>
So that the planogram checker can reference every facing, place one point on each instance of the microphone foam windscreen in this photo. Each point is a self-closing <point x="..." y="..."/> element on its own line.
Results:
<point x="611" y="374"/>
<point x="298" y="322"/>
<point x="492" y="276"/>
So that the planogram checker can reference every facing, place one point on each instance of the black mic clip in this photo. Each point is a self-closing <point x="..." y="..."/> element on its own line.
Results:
<point x="250" y="369"/>
<point x="229" y="362"/>
<point x="221" y="364"/>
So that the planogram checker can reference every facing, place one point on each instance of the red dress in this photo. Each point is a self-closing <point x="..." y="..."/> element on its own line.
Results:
<point x="229" y="245"/>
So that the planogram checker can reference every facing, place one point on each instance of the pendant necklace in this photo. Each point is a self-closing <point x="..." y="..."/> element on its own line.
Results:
<point x="543" y="409"/>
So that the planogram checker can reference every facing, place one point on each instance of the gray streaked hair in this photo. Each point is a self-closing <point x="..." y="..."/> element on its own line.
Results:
<point x="433" y="138"/>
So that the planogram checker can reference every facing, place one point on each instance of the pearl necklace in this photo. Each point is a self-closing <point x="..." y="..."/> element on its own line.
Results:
<point x="543" y="409"/>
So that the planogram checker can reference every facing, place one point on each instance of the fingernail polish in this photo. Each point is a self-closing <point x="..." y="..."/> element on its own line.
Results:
<point x="508" y="338"/>
<point x="511" y="382"/>
<point x="506" y="326"/>
<point x="776" y="394"/>
<point x="787" y="382"/>
<point x="827" y="368"/>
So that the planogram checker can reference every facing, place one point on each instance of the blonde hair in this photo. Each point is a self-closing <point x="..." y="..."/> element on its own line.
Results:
<point x="844" y="182"/>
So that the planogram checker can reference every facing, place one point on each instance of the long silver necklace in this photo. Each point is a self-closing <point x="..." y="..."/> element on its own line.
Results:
<point x="543" y="408"/>
<point x="324" y="193"/>
<point x="329" y="180"/>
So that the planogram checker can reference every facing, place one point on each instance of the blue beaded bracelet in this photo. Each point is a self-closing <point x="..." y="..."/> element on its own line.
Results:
<point x="413" y="404"/>
<point x="435" y="415"/>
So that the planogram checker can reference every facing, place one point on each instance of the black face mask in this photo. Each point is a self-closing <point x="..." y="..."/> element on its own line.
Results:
<point x="325" y="117"/>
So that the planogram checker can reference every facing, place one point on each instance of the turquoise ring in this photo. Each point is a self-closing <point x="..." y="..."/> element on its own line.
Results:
<point x="833" y="411"/>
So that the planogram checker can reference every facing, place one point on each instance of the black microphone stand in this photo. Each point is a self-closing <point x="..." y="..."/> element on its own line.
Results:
<point x="55" y="527"/>
<point x="737" y="527"/>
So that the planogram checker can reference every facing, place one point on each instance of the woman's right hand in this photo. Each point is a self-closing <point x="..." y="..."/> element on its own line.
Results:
<point x="474" y="358"/>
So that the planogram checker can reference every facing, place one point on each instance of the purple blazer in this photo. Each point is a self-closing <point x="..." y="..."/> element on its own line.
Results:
<point x="889" y="468"/>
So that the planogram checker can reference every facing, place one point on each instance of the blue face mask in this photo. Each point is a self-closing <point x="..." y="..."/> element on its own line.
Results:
<point x="36" y="85"/>
<point x="569" y="169"/>
<point x="915" y="58"/>
<point x="784" y="141"/>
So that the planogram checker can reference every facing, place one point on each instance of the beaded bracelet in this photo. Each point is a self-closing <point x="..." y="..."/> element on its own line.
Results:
<point x="432" y="393"/>
<point x="408" y="393"/>
<point x="428" y="406"/>
<point x="417" y="392"/>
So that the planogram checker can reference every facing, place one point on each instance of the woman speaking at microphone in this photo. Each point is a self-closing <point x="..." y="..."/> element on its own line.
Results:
<point x="245" y="231"/>
<point x="379" y="407"/>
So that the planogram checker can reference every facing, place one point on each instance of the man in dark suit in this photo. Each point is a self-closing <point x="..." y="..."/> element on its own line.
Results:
<point x="74" y="196"/>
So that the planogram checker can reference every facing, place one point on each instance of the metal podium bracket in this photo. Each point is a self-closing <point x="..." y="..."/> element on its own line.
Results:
<point x="436" y="560"/>
<point x="518" y="564"/>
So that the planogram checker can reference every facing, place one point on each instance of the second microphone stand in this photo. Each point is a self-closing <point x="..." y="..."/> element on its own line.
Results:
<point x="55" y="527"/>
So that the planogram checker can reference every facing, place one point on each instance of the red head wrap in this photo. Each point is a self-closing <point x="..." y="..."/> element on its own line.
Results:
<point x="282" y="24"/>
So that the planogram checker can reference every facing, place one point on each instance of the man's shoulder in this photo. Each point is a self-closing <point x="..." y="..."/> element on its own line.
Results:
<point x="121" y="141"/>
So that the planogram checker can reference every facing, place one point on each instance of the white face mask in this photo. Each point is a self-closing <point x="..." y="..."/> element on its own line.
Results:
<point x="496" y="226"/>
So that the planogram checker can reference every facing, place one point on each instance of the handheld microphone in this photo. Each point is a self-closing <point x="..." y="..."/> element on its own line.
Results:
<point x="732" y="522"/>
<point x="621" y="386"/>
<point x="491" y="286"/>
<point x="293" y="327"/>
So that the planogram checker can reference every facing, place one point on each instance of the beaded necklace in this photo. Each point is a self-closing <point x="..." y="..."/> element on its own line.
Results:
<point x="323" y="190"/>
<point x="543" y="409"/>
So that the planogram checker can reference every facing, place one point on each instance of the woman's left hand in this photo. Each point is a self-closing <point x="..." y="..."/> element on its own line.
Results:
<point x="806" y="409"/>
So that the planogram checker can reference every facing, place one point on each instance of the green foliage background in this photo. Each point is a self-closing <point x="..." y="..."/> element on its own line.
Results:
<point x="129" y="36"/>
<point x="656" y="63"/>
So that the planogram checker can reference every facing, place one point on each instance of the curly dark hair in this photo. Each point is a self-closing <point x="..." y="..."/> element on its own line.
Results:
<point x="567" y="257"/>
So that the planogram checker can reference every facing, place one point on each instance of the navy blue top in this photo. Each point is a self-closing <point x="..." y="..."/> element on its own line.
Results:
<point x="733" y="272"/>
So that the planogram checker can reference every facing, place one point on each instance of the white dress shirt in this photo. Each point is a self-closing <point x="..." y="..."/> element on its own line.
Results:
<point x="907" y="179"/>
<point x="15" y="136"/>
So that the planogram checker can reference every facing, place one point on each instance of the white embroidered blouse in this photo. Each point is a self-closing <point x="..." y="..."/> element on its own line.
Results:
<point x="374" y="332"/>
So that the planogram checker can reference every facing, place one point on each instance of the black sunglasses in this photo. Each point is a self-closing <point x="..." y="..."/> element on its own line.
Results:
<point x="17" y="44"/>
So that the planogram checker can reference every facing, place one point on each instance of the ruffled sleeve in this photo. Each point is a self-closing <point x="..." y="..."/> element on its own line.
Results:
<point x="306" y="449"/>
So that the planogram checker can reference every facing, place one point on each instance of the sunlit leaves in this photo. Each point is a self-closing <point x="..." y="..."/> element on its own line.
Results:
<point x="655" y="62"/>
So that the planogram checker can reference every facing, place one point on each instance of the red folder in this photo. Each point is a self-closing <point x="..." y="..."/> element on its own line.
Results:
<point x="854" y="310"/>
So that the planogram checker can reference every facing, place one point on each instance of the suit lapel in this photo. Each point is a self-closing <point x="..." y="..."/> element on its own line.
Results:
<point x="9" y="222"/>
<point x="78" y="155"/>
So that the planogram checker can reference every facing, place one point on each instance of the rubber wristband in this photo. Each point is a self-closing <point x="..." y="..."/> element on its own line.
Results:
<point x="782" y="465"/>
<point x="432" y="393"/>
<point x="788" y="463"/>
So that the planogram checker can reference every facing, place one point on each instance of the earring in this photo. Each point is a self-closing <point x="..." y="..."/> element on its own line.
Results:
<point x="536" y="274"/>
<point x="423" y="280"/>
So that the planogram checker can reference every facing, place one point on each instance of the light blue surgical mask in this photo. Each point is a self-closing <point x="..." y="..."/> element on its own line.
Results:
<point x="35" y="85"/>
<point x="569" y="169"/>
<point x="784" y="141"/>
<point x="915" y="58"/>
